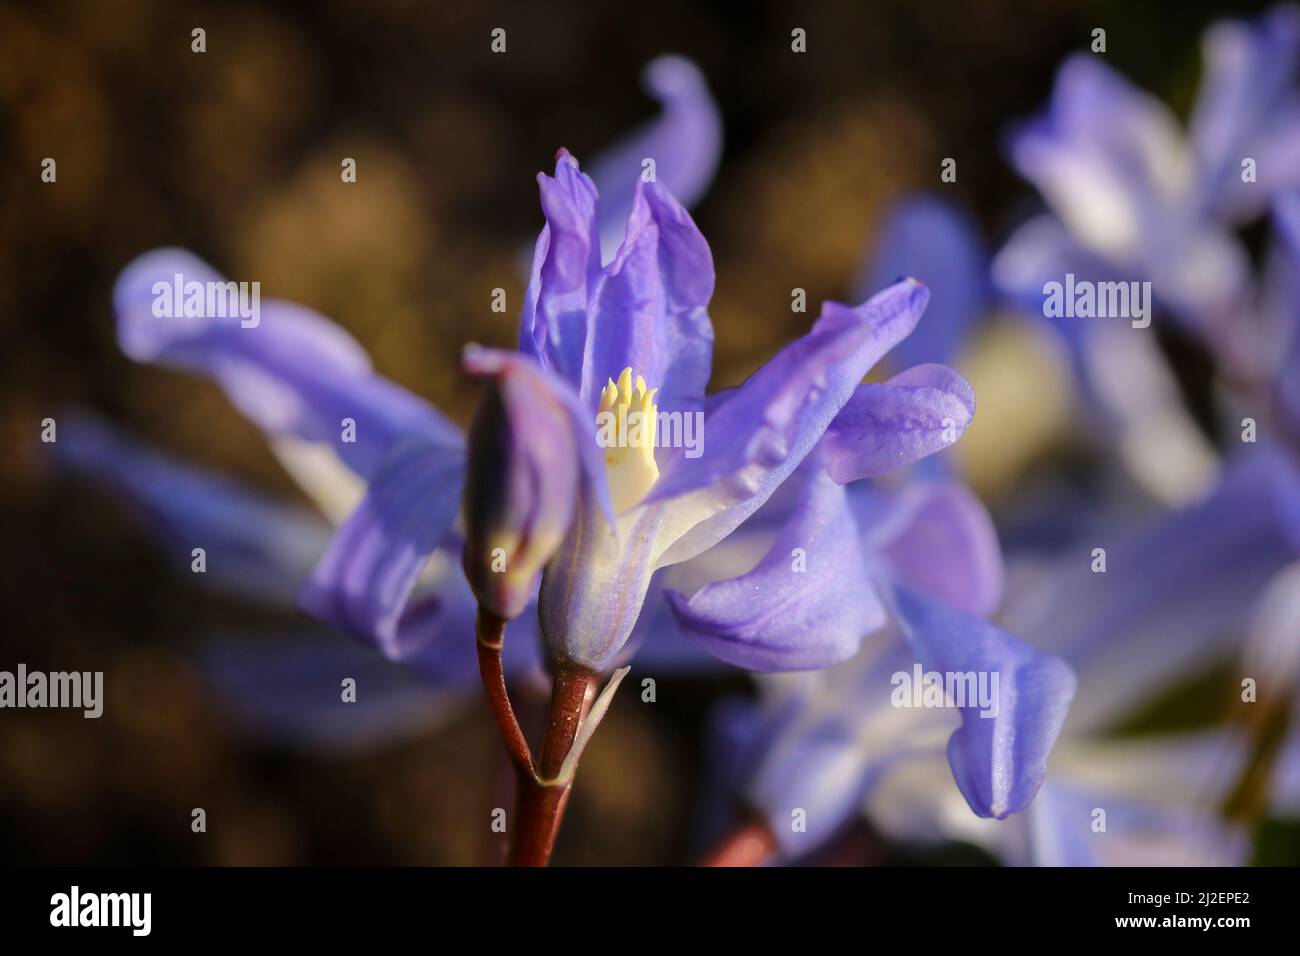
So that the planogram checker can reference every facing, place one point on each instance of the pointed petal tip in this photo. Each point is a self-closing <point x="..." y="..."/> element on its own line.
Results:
<point x="565" y="158"/>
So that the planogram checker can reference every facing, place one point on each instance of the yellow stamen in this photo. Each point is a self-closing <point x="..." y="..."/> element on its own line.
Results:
<point x="627" y="424"/>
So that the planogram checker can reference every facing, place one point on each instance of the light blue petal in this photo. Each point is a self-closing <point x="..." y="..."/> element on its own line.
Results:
<point x="999" y="755"/>
<point x="886" y="427"/>
<point x="288" y="691"/>
<point x="760" y="432"/>
<point x="1137" y="833"/>
<point x="938" y="243"/>
<point x="808" y="604"/>
<point x="1175" y="591"/>
<point x="365" y="580"/>
<point x="252" y="545"/>
<point x="523" y="480"/>
<point x="649" y="310"/>
<point x="946" y="547"/>
<point x="566" y="263"/>
<point x="294" y="373"/>
<point x="685" y="142"/>
<point x="1248" y="107"/>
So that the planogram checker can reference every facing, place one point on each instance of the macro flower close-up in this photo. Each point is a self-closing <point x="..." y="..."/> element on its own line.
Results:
<point x="856" y="437"/>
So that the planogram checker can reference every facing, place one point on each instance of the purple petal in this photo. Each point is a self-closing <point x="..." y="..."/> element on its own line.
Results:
<point x="661" y="649"/>
<point x="288" y="691"/>
<point x="293" y="373"/>
<point x="363" y="583"/>
<point x="947" y="548"/>
<point x="1247" y="107"/>
<point x="826" y="777"/>
<point x="998" y="760"/>
<point x="435" y="635"/>
<point x="253" y="545"/>
<point x="593" y="590"/>
<point x="1096" y="155"/>
<point x="566" y="263"/>
<point x="1286" y="213"/>
<point x="831" y="740"/>
<point x="1162" y="796"/>
<point x="573" y="571"/>
<point x="1137" y="833"/>
<point x="1286" y="275"/>
<point x="522" y="484"/>
<point x="1042" y="250"/>
<point x="685" y="142"/>
<point x="540" y="386"/>
<point x="1284" y="796"/>
<point x="657" y="643"/>
<point x="808" y="604"/>
<point x="762" y="430"/>
<point x="886" y="427"/>
<point x="649" y="308"/>
<point x="1174" y="591"/>
<point x="940" y="244"/>
<point x="1111" y="163"/>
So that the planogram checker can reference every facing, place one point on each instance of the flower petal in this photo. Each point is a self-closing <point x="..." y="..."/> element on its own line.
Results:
<point x="886" y="427"/>
<point x="1039" y="251"/>
<point x="830" y="737"/>
<point x="685" y="141"/>
<point x="254" y="546"/>
<point x="294" y="373"/>
<point x="1174" y="590"/>
<point x="566" y="263"/>
<point x="998" y="760"/>
<point x="1106" y="156"/>
<point x="365" y="580"/>
<point x="947" y="548"/>
<point x="760" y="432"/>
<point x="286" y="691"/>
<point x="522" y="486"/>
<point x="1286" y="278"/>
<point x="808" y="604"/>
<point x="591" y="546"/>
<point x="1111" y="163"/>
<point x="1062" y="821"/>
<point x="1247" y="107"/>
<point x="540" y="386"/>
<point x="1287" y="216"/>
<point x="938" y="242"/>
<point x="1162" y="796"/>
<point x="649" y="306"/>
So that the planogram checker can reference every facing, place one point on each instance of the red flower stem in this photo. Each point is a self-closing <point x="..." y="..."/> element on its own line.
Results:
<point x="542" y="798"/>
<point x="491" y="637"/>
<point x="751" y="843"/>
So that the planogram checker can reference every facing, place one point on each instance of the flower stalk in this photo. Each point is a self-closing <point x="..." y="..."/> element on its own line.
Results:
<point x="491" y="638"/>
<point x="544" y="795"/>
<point x="542" y="788"/>
<point x="750" y="843"/>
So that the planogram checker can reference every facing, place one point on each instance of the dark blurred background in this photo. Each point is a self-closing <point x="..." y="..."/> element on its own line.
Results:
<point x="235" y="154"/>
